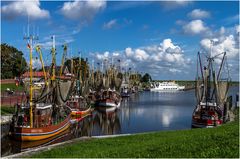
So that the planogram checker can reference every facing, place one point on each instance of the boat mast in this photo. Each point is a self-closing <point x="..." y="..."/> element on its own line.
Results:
<point x="53" y="58"/>
<point x="31" y="85"/>
<point x="80" y="69"/>
<point x="208" y="71"/>
<point x="93" y="72"/>
<point x="38" y="49"/>
<point x="63" y="58"/>
<point x="79" y="76"/>
<point x="30" y="39"/>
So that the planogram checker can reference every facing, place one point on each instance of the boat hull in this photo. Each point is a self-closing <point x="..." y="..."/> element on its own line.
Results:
<point x="80" y="113"/>
<point x="34" y="134"/>
<point x="200" y="125"/>
<point x="125" y="95"/>
<point x="106" y="109"/>
<point x="164" y="90"/>
<point x="203" y="123"/>
<point x="108" y="103"/>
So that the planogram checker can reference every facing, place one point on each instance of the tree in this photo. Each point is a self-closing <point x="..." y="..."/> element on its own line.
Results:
<point x="146" y="78"/>
<point x="13" y="64"/>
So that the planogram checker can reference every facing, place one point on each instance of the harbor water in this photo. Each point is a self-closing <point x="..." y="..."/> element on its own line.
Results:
<point x="141" y="112"/>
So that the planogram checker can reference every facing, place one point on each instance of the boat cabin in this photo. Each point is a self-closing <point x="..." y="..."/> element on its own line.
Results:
<point x="43" y="115"/>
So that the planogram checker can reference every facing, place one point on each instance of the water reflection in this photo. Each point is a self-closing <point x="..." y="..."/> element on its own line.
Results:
<point x="106" y="122"/>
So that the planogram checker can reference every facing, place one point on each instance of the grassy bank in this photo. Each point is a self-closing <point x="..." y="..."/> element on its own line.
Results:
<point x="216" y="142"/>
<point x="6" y="110"/>
<point x="12" y="86"/>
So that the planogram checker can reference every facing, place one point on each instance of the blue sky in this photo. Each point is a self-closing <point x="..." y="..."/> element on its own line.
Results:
<point x="161" y="38"/>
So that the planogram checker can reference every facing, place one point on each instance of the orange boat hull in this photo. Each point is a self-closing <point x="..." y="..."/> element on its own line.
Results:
<point x="34" y="134"/>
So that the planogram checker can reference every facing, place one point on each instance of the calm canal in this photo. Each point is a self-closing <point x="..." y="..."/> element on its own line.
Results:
<point x="142" y="112"/>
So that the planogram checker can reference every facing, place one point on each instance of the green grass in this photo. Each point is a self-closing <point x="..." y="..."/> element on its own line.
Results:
<point x="12" y="86"/>
<point x="6" y="110"/>
<point x="217" y="142"/>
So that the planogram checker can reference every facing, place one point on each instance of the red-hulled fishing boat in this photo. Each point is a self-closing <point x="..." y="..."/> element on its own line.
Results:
<point x="109" y="98"/>
<point x="211" y="93"/>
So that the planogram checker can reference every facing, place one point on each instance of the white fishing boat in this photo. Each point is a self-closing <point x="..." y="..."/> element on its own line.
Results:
<point x="166" y="86"/>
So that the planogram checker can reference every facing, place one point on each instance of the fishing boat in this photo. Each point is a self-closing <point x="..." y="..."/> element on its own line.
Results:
<point x="211" y="93"/>
<point x="45" y="124"/>
<point x="166" y="86"/>
<point x="40" y="116"/>
<point x="109" y="98"/>
<point x="125" y="92"/>
<point x="78" y="106"/>
<point x="109" y="94"/>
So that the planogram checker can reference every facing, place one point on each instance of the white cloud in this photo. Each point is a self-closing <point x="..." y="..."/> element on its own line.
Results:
<point x="224" y="40"/>
<point x="24" y="8"/>
<point x="103" y="56"/>
<point x="170" y="5"/>
<point x="165" y="58"/>
<point x="199" y="14"/>
<point x="129" y="51"/>
<point x="84" y="10"/>
<point x="237" y="28"/>
<point x="175" y="70"/>
<point x="232" y="19"/>
<point x="195" y="27"/>
<point x="180" y="22"/>
<point x="116" y="54"/>
<point x="117" y="23"/>
<point x="110" y="24"/>
<point x="222" y="44"/>
<point x="36" y="63"/>
<point x="141" y="55"/>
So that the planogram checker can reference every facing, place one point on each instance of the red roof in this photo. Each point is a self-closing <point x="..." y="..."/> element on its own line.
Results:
<point x="35" y="74"/>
